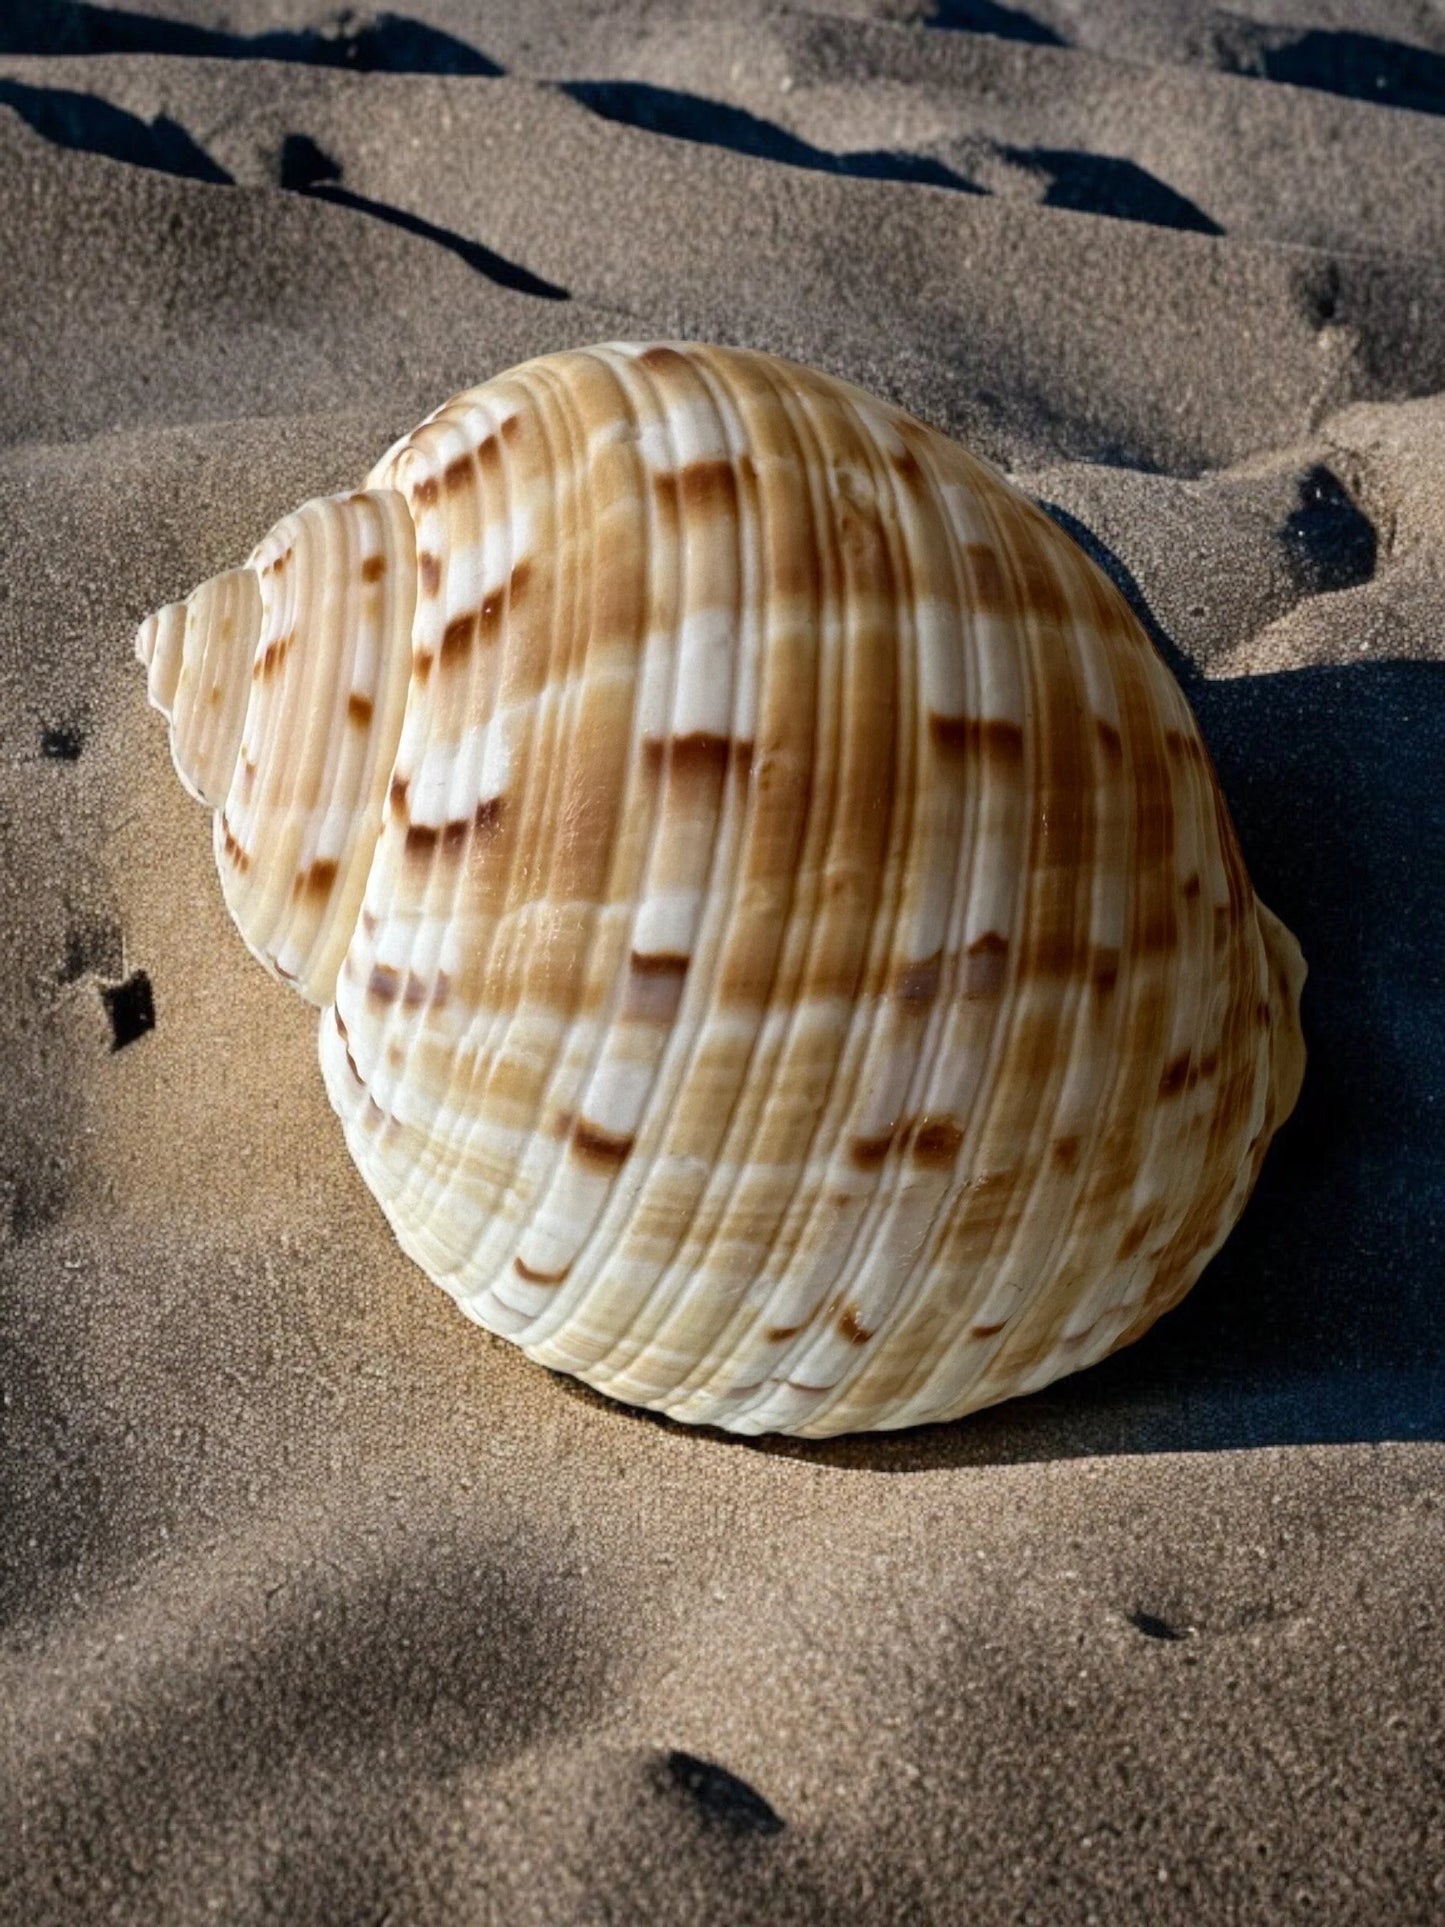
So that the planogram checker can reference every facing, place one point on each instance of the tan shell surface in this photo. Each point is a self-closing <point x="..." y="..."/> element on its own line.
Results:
<point x="805" y="976"/>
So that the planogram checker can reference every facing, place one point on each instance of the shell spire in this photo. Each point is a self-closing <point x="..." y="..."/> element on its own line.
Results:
<point x="285" y="683"/>
<point x="784" y="954"/>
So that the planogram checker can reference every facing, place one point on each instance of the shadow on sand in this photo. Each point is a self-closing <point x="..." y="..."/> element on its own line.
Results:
<point x="385" y="43"/>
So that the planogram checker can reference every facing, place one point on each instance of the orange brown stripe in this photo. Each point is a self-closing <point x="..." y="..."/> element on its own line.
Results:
<point x="604" y="1149"/>
<point x="916" y="984"/>
<point x="936" y="1141"/>
<point x="534" y="1277"/>
<point x="384" y="983"/>
<point x="318" y="880"/>
<point x="991" y="737"/>
<point x="849" y="1327"/>
<point x="869" y="1152"/>
<point x="272" y="656"/>
<point x="234" y="853"/>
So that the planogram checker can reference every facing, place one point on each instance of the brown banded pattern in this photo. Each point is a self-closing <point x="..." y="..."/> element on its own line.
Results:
<point x="791" y="961"/>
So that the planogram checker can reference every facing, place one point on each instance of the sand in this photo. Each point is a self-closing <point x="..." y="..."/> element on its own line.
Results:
<point x="321" y="1605"/>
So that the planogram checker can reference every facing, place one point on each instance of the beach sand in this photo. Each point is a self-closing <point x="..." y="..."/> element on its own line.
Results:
<point x="319" y="1604"/>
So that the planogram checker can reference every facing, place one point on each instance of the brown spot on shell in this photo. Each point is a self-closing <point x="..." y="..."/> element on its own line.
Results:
<point x="778" y="1333"/>
<point x="359" y="708"/>
<point x="488" y="451"/>
<point x="458" y="473"/>
<point x="849" y="1327"/>
<point x="426" y="492"/>
<point x="1175" y="1075"/>
<point x="1065" y="1152"/>
<point x="605" y="1149"/>
<point x="234" y="853"/>
<point x="1134" y="1237"/>
<point x="373" y="568"/>
<point x="425" y="839"/>
<point x="414" y="991"/>
<point x="655" y="984"/>
<point x="985" y="965"/>
<point x="986" y="593"/>
<point x="487" y="819"/>
<point x="991" y="737"/>
<point x="708" y="487"/>
<point x="936" y="1140"/>
<point x="483" y="625"/>
<point x="869" y="1152"/>
<point x="534" y="1277"/>
<point x="458" y="635"/>
<point x="987" y="1331"/>
<point x="384" y="983"/>
<point x="659" y="963"/>
<point x="318" y="880"/>
<point x="341" y="1032"/>
<point x="662" y="359"/>
<point x="1039" y="586"/>
<point x="421" y="663"/>
<point x="1155" y="816"/>
<point x="916" y="984"/>
<point x="429" y="572"/>
<point x="905" y="466"/>
<point x="396" y="795"/>
<point x="1104" y="969"/>
<point x="1110" y="741"/>
<point x="700" y="754"/>
<point x="1191" y="888"/>
<point x="272" y="656"/>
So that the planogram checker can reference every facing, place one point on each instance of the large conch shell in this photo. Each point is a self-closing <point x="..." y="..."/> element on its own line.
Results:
<point x="782" y="951"/>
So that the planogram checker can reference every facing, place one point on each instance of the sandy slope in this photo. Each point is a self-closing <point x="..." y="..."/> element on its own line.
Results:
<point x="321" y="1606"/>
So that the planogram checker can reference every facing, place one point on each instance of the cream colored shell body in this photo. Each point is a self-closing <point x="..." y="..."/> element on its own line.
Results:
<point x="783" y="953"/>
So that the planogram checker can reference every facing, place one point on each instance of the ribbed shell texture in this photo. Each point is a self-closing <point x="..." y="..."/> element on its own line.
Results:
<point x="805" y="977"/>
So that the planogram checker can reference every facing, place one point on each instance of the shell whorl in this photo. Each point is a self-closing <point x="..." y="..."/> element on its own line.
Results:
<point x="285" y="683"/>
<point x="799" y="973"/>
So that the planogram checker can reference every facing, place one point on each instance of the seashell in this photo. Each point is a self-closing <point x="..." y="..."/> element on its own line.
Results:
<point x="782" y="951"/>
